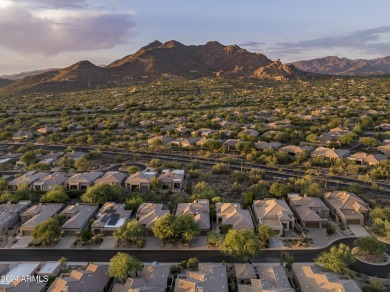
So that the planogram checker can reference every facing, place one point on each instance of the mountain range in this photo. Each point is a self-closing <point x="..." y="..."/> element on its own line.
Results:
<point x="169" y="60"/>
<point x="174" y="60"/>
<point x="344" y="66"/>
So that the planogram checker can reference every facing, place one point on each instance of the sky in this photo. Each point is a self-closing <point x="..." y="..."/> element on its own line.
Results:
<point x="39" y="34"/>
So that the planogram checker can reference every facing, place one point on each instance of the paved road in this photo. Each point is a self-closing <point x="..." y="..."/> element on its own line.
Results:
<point x="95" y="255"/>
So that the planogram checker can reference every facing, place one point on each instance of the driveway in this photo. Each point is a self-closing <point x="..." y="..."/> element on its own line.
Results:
<point x="66" y="242"/>
<point x="23" y="242"/>
<point x="275" y="242"/>
<point x="109" y="242"/>
<point x="358" y="230"/>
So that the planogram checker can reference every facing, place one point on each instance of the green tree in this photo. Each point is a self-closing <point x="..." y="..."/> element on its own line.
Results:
<point x="221" y="168"/>
<point x="130" y="231"/>
<point x="241" y="244"/>
<point x="122" y="264"/>
<point x="155" y="162"/>
<point x="3" y="183"/>
<point x="86" y="235"/>
<point x="337" y="259"/>
<point x="369" y="142"/>
<point x="279" y="190"/>
<point x="164" y="228"/>
<point x="213" y="238"/>
<point x="134" y="202"/>
<point x="83" y="164"/>
<point x="265" y="233"/>
<point x="186" y="228"/>
<point x="56" y="195"/>
<point x="155" y="183"/>
<point x="312" y="138"/>
<point x="47" y="231"/>
<point x="133" y="169"/>
<point x="102" y="193"/>
<point x="371" y="245"/>
<point x="28" y="157"/>
<point x="193" y="264"/>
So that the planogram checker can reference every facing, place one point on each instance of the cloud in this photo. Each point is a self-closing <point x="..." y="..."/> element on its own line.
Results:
<point x="53" y="31"/>
<point x="252" y="44"/>
<point x="55" y="3"/>
<point x="372" y="41"/>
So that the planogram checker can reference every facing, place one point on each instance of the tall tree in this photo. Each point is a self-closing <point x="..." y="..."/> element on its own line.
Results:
<point x="122" y="264"/>
<point x="101" y="193"/>
<point x="241" y="244"/>
<point x="337" y="259"/>
<point x="48" y="231"/>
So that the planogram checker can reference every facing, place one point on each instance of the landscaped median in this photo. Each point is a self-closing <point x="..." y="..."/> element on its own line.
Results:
<point x="370" y="250"/>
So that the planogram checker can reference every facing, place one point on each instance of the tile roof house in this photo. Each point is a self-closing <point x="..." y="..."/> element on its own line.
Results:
<point x="110" y="216"/>
<point x="152" y="278"/>
<point x="148" y="213"/>
<point x="272" y="278"/>
<point x="230" y="144"/>
<point x="10" y="214"/>
<point x="50" y="158"/>
<point x="112" y="178"/>
<point x="159" y="139"/>
<point x="311" y="277"/>
<point x="275" y="214"/>
<point x="47" y="130"/>
<point x="27" y="179"/>
<point x="140" y="181"/>
<point x="92" y="279"/>
<point x="22" y="135"/>
<point x="244" y="273"/>
<point x="349" y="208"/>
<point x="330" y="153"/>
<point x="36" y="215"/>
<point x="249" y="132"/>
<point x="203" y="132"/>
<point x="385" y="149"/>
<point x="51" y="180"/>
<point x="77" y="218"/>
<point x="80" y="181"/>
<point x="232" y="215"/>
<point x="173" y="179"/>
<point x="261" y="145"/>
<point x="74" y="155"/>
<point x="209" y="277"/>
<point x="368" y="159"/>
<point x="310" y="211"/>
<point x="294" y="150"/>
<point x="199" y="210"/>
<point x="184" y="142"/>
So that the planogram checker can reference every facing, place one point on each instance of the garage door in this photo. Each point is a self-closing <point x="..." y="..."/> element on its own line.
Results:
<point x="355" y="222"/>
<point x="312" y="224"/>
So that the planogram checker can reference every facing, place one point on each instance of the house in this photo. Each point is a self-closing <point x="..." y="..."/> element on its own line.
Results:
<point x="48" y="130"/>
<point x="50" y="158"/>
<point x="198" y="210"/>
<point x="382" y="127"/>
<point x="10" y="214"/>
<point x="182" y="130"/>
<point x="202" y="132"/>
<point x="148" y="213"/>
<point x="27" y="179"/>
<point x="51" y="180"/>
<point x="348" y="207"/>
<point x="140" y="181"/>
<point x="261" y="145"/>
<point x="74" y="155"/>
<point x="341" y="130"/>
<point x="75" y="127"/>
<point x="153" y="278"/>
<point x="184" y="142"/>
<point x="244" y="273"/>
<point x="385" y="149"/>
<point x="50" y="269"/>
<point x="92" y="279"/>
<point x="272" y="277"/>
<point x="232" y="215"/>
<point x="209" y="277"/>
<point x="159" y="140"/>
<point x="22" y="135"/>
<point x="330" y="153"/>
<point x="310" y="211"/>
<point x="80" y="181"/>
<point x="12" y="279"/>
<point x="110" y="216"/>
<point x="36" y="215"/>
<point x="112" y="178"/>
<point x="230" y="144"/>
<point x="280" y="124"/>
<point x="368" y="159"/>
<point x="294" y="150"/>
<point x="275" y="214"/>
<point x="77" y="218"/>
<point x="311" y="277"/>
<point x="173" y="179"/>
<point x="203" y="141"/>
<point x="249" y="132"/>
